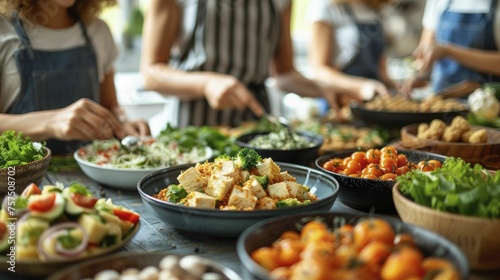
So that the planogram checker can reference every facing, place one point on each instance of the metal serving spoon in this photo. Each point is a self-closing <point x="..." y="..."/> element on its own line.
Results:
<point x="282" y="122"/>
<point x="130" y="143"/>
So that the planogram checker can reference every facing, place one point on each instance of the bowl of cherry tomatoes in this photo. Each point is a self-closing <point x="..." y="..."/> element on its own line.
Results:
<point x="328" y="245"/>
<point x="366" y="177"/>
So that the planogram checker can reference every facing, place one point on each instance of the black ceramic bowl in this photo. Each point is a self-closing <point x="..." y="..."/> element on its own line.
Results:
<point x="230" y="223"/>
<point x="303" y="156"/>
<point x="369" y="194"/>
<point x="400" y="119"/>
<point x="266" y="232"/>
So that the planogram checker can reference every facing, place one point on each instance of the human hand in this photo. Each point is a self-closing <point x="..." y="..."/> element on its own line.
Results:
<point x="224" y="92"/>
<point x="84" y="120"/>
<point x="136" y="128"/>
<point x="426" y="55"/>
<point x="409" y="84"/>
<point x="370" y="88"/>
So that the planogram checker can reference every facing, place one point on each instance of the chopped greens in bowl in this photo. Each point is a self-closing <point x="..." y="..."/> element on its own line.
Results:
<point x="456" y="187"/>
<point x="15" y="149"/>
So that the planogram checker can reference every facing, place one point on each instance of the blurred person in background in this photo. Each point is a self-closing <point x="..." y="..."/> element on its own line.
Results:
<point x="348" y="46"/>
<point x="459" y="42"/>
<point x="57" y="73"/>
<point x="215" y="56"/>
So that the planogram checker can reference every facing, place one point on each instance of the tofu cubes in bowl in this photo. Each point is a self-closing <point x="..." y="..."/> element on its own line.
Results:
<point x="223" y="197"/>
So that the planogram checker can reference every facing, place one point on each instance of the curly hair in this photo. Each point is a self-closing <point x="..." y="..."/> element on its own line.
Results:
<point x="82" y="9"/>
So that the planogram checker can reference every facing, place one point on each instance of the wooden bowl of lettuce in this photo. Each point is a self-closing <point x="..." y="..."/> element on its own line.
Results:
<point x="459" y="202"/>
<point x="22" y="162"/>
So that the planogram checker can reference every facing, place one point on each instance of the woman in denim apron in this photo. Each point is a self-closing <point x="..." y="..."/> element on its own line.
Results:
<point x="65" y="82"/>
<point x="361" y="77"/>
<point x="462" y="48"/>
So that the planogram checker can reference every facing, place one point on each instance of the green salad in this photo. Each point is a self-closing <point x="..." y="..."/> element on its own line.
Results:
<point x="456" y="187"/>
<point x="15" y="149"/>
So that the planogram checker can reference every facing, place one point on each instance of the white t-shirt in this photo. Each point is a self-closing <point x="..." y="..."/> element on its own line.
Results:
<point x="434" y="9"/>
<point x="346" y="34"/>
<point x="42" y="38"/>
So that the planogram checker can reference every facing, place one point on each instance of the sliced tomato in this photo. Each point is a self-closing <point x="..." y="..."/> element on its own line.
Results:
<point x="84" y="201"/>
<point x="31" y="189"/>
<point x="3" y="230"/>
<point x="126" y="215"/>
<point x="42" y="203"/>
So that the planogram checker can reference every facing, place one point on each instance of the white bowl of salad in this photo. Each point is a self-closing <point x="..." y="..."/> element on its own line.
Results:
<point x="105" y="162"/>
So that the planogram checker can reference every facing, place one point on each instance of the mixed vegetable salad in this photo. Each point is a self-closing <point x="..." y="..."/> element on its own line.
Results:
<point x="152" y="153"/>
<point x="62" y="223"/>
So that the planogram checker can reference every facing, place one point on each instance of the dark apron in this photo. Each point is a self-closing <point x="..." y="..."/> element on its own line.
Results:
<point x="54" y="79"/>
<point x="467" y="30"/>
<point x="365" y="62"/>
<point x="198" y="112"/>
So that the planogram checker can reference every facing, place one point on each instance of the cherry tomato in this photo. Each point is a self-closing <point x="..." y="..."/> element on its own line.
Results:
<point x="373" y="169"/>
<point x="388" y="177"/>
<point x="403" y="239"/>
<point x="42" y="203"/>
<point x="370" y="229"/>
<point x="334" y="165"/>
<point x="402" y="170"/>
<point x="360" y="157"/>
<point x="85" y="201"/>
<point x="390" y="150"/>
<point x="290" y="235"/>
<point x="404" y="263"/>
<point x="126" y="215"/>
<point x="427" y="165"/>
<point x="369" y="176"/>
<point x="289" y="251"/>
<point x="431" y="264"/>
<point x="402" y="160"/>
<point x="31" y="189"/>
<point x="375" y="252"/>
<point x="353" y="167"/>
<point x="267" y="257"/>
<point x="388" y="165"/>
<point x="373" y="156"/>
<point x="346" y="161"/>
<point x="435" y="164"/>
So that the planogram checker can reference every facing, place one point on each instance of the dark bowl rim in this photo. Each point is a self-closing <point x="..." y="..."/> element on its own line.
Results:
<point x="231" y="213"/>
<point x="318" y="140"/>
<point x="328" y="155"/>
<point x="361" y="108"/>
<point x="224" y="269"/>
<point x="246" y="259"/>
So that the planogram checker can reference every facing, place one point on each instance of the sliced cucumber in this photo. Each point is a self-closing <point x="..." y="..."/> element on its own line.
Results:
<point x="52" y="214"/>
<point x="72" y="208"/>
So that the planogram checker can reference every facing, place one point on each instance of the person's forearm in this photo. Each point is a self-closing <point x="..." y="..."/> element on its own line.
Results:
<point x="30" y="124"/>
<point x="169" y="81"/>
<point x="293" y="81"/>
<point x="479" y="60"/>
<point x="338" y="80"/>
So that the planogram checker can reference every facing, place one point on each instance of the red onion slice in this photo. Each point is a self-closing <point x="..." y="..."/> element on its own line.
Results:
<point x="49" y="236"/>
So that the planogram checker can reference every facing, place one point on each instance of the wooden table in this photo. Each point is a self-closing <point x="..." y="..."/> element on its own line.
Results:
<point x="155" y="235"/>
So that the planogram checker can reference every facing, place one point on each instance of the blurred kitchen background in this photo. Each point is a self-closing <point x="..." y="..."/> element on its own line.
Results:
<point x="403" y="22"/>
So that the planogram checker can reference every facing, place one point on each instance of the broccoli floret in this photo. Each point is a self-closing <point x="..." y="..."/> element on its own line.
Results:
<point x="288" y="202"/>
<point x="223" y="157"/>
<point x="247" y="158"/>
<point x="262" y="180"/>
<point x="176" y="193"/>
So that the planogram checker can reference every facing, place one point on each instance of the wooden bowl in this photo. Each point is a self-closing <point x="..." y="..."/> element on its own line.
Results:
<point x="17" y="178"/>
<point x="477" y="237"/>
<point x="486" y="154"/>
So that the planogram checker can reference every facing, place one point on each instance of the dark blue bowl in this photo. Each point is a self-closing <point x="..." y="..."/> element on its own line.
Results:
<point x="266" y="232"/>
<point x="303" y="156"/>
<point x="230" y="223"/>
<point x="368" y="194"/>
